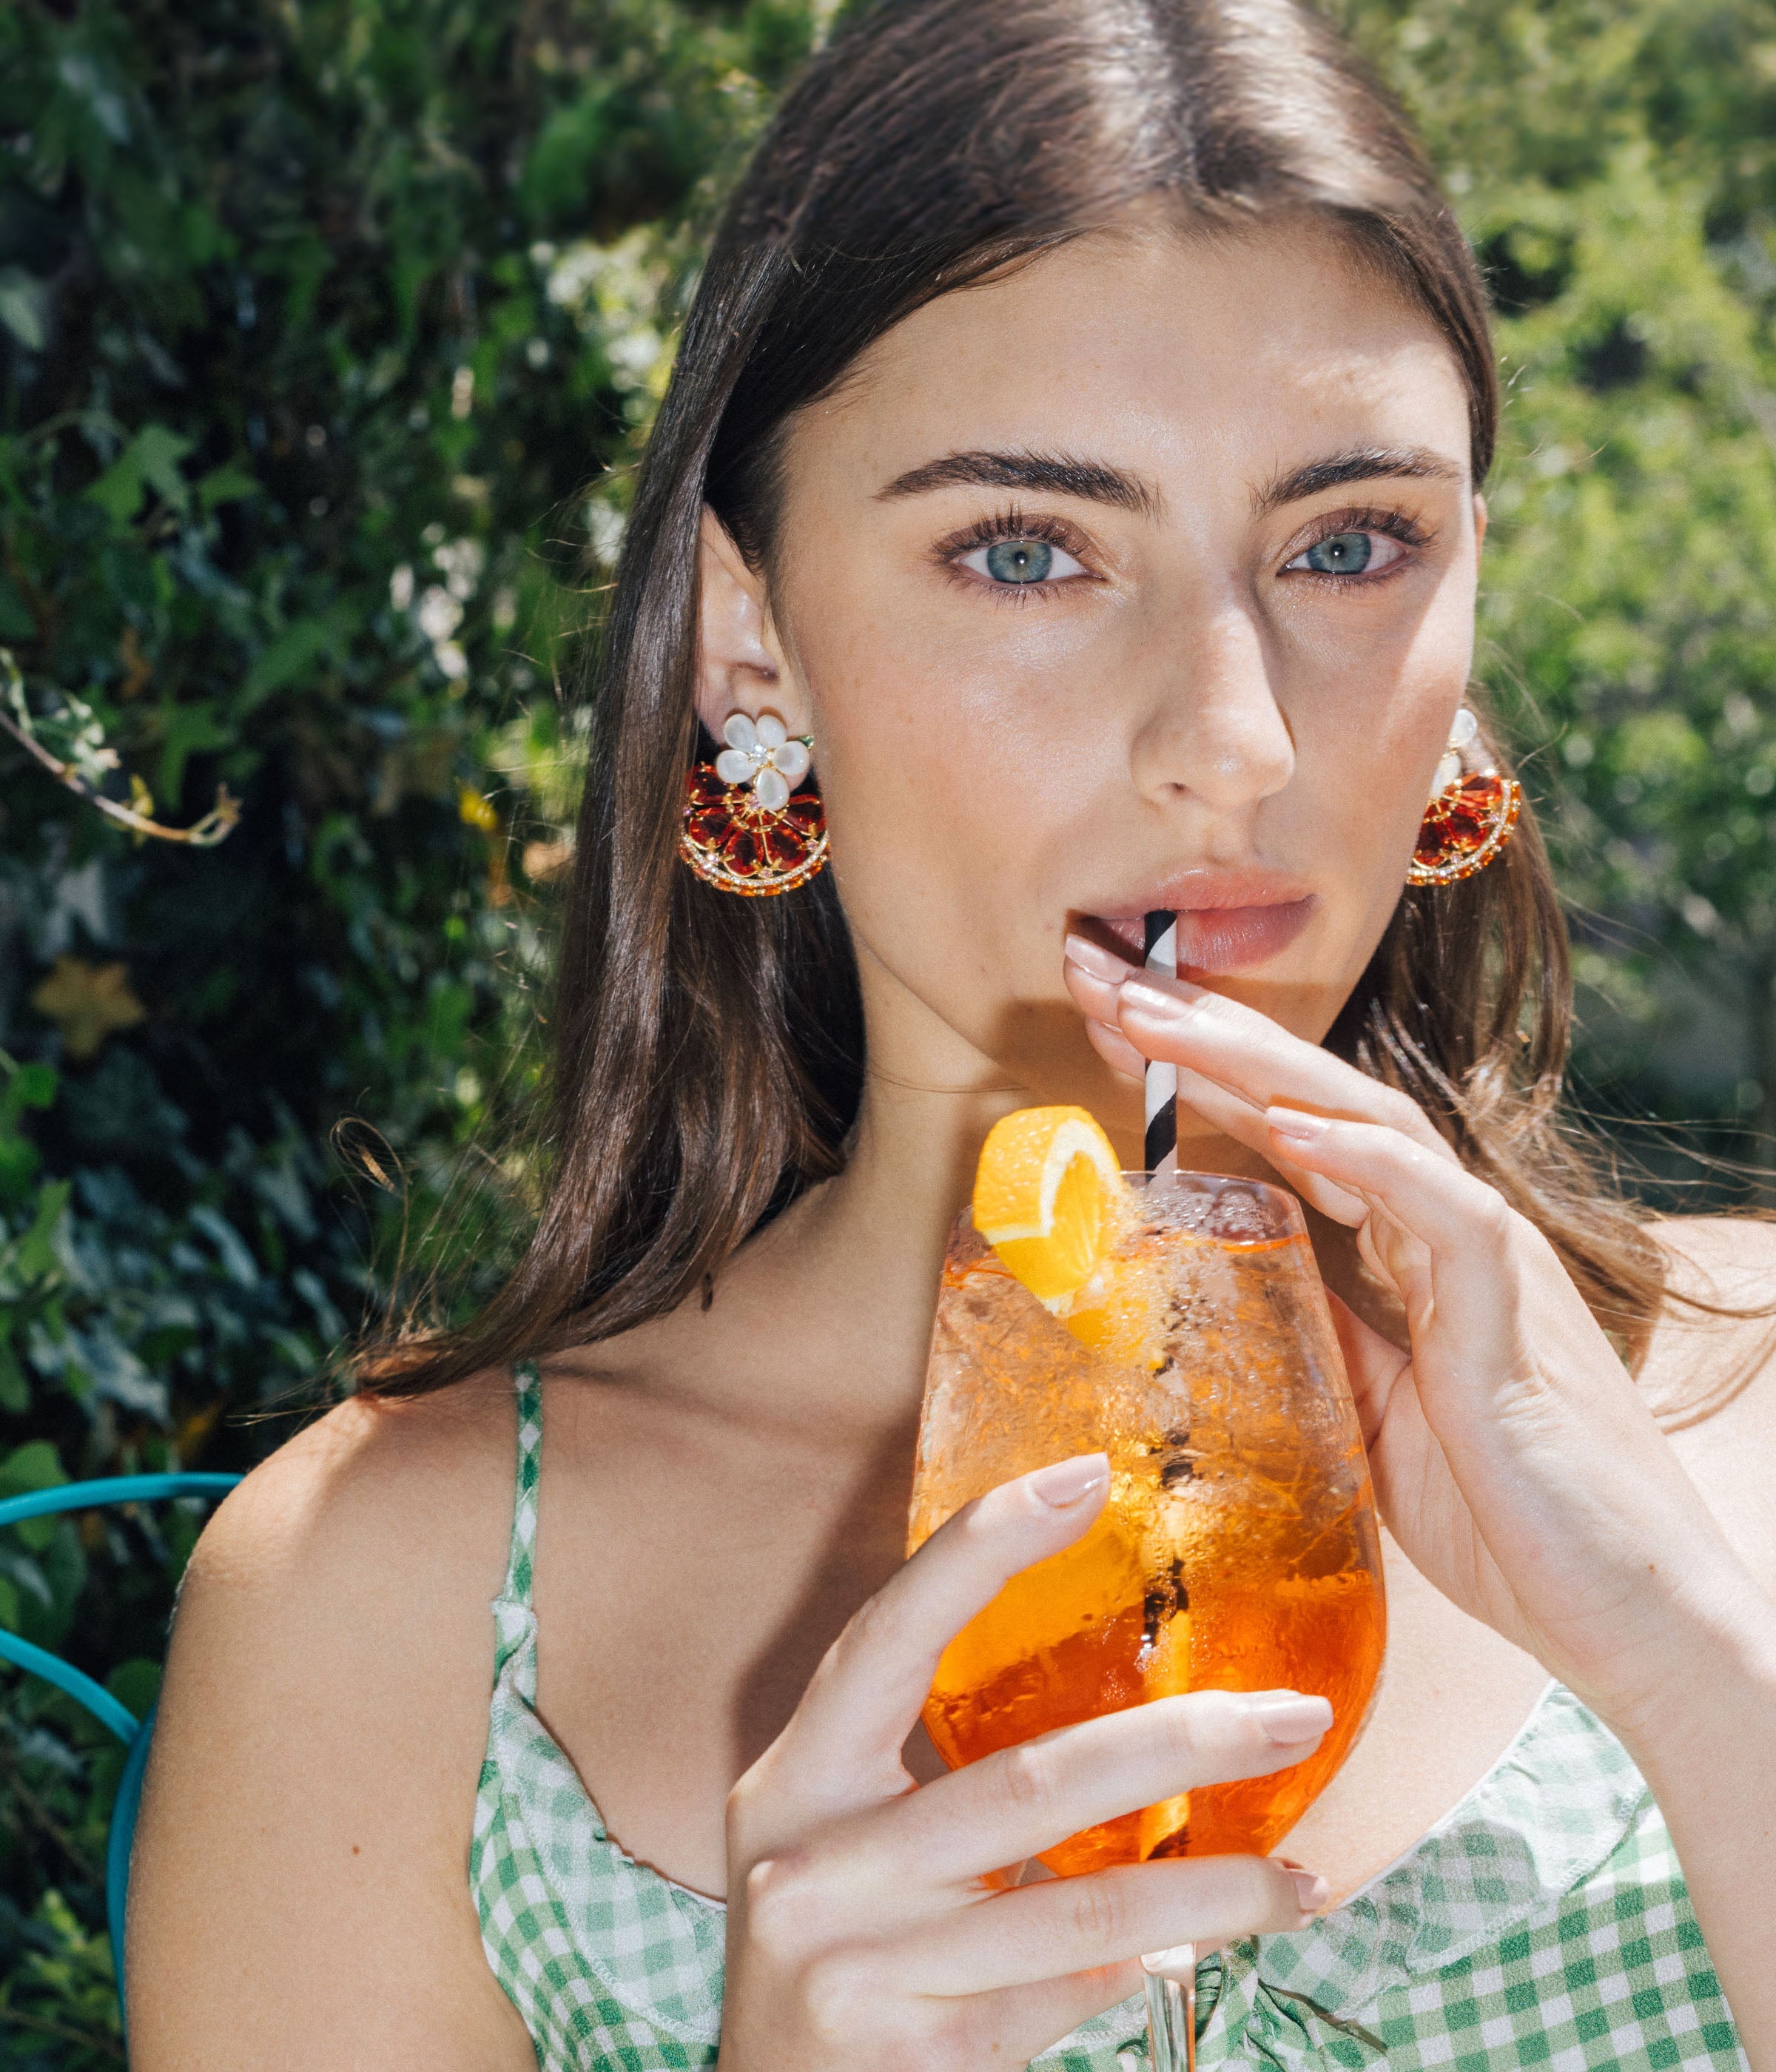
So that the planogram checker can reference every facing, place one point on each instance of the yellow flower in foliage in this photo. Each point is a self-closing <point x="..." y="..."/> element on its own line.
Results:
<point x="475" y="812"/>
<point x="88" y="1002"/>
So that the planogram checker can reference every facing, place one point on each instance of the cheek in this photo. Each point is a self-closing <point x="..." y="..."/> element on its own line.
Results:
<point x="1370" y="725"/>
<point x="957" y="813"/>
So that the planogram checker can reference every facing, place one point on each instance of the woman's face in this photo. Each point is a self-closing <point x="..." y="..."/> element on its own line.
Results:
<point x="1141" y="578"/>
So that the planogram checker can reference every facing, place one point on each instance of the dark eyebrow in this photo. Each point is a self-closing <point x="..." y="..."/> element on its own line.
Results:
<point x="1054" y="474"/>
<point x="1362" y="464"/>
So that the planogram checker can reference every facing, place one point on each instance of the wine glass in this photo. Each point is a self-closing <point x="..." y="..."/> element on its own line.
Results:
<point x="1238" y="1550"/>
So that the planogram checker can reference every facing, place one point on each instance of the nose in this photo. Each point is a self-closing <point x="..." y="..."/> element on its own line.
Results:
<point x="1213" y="730"/>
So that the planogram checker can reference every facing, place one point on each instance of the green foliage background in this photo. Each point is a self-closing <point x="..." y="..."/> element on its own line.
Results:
<point x="326" y="330"/>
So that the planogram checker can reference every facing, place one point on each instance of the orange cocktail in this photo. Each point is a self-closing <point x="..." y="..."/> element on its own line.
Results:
<point x="1238" y="1549"/>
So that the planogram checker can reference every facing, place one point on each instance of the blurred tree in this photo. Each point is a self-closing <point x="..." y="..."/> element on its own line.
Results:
<point x="326" y="333"/>
<point x="1616" y="166"/>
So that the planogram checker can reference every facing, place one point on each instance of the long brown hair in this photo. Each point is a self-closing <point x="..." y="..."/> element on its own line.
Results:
<point x="709" y="1050"/>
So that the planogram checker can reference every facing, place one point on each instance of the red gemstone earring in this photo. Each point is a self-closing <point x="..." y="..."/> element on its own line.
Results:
<point x="753" y="823"/>
<point x="1470" y="818"/>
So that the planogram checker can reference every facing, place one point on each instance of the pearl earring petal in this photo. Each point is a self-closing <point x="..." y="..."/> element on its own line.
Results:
<point x="1448" y="772"/>
<point x="739" y="731"/>
<point x="772" y="733"/>
<point x="771" y="791"/>
<point x="792" y="759"/>
<point x="734" y="765"/>
<point x="1463" y="728"/>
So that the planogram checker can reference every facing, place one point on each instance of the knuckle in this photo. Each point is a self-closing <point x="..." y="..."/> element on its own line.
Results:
<point x="1210" y="1722"/>
<point x="876" y="1625"/>
<point x="1023" y="1779"/>
<point x="1400" y="1112"/>
<point x="1099" y="1910"/>
<point x="838" y="2001"/>
<point x="1261" y="1894"/>
<point x="786" y="1908"/>
<point x="1495" y="1221"/>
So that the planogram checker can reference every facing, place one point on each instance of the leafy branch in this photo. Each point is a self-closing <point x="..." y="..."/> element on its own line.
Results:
<point x="88" y="761"/>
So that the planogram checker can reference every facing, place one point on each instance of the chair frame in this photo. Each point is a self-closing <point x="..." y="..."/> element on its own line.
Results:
<point x="135" y="1734"/>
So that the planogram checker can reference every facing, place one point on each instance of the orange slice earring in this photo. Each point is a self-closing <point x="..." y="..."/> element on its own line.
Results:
<point x="1471" y="816"/>
<point x="753" y="823"/>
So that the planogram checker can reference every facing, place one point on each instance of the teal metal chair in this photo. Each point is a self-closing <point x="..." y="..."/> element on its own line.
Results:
<point x="133" y="1733"/>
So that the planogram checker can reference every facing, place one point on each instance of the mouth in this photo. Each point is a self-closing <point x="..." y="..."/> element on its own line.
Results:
<point x="1227" y="921"/>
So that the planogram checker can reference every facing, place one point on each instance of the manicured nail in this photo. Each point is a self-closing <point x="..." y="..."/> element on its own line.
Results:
<point x="1288" y="1716"/>
<point x="1311" y="1891"/>
<point x="1296" y="1123"/>
<point x="1069" y="1483"/>
<point x="1144" y="989"/>
<point x="1097" y="961"/>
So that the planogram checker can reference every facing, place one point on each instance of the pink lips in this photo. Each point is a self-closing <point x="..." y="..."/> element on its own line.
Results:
<point x="1228" y="939"/>
<point x="1227" y="921"/>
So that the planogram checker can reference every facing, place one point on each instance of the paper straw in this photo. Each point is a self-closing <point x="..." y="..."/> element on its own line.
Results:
<point x="1161" y="1105"/>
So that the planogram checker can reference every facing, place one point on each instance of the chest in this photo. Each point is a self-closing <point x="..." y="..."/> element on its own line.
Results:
<point x="688" y="1582"/>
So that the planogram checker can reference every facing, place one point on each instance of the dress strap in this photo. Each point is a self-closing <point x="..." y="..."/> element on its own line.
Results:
<point x="529" y="1386"/>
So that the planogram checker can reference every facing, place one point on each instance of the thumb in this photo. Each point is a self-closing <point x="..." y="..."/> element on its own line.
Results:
<point x="1375" y="1364"/>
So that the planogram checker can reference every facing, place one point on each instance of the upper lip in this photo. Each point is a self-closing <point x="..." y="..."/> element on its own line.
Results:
<point x="1205" y="890"/>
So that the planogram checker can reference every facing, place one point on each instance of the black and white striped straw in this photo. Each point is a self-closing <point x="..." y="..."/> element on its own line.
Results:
<point x="1161" y="1105"/>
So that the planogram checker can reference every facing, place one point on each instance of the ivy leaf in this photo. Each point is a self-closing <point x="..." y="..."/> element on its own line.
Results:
<point x="24" y="302"/>
<point x="288" y="657"/>
<point x="227" y="484"/>
<point x="150" y="461"/>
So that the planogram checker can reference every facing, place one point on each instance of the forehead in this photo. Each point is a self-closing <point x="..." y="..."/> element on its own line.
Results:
<point x="1171" y="352"/>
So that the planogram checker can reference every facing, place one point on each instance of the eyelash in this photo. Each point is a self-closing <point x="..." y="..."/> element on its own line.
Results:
<point x="1391" y="525"/>
<point x="1012" y="524"/>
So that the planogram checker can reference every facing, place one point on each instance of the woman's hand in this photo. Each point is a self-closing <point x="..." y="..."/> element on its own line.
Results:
<point x="870" y="1922"/>
<point x="1513" y="1457"/>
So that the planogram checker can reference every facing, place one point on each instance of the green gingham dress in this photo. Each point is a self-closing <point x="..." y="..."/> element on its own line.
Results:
<point x="1544" y="1922"/>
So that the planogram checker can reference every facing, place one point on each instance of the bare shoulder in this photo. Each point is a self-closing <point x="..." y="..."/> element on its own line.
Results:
<point x="322" y="1721"/>
<point x="1711" y="1380"/>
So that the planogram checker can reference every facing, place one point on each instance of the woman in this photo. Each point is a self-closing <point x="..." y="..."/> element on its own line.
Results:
<point x="1078" y="434"/>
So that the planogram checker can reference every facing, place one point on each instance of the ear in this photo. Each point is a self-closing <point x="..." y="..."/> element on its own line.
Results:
<point x="740" y="665"/>
<point x="1480" y="519"/>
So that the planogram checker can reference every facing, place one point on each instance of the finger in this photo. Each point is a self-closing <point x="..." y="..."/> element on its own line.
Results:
<point x="1247" y="1123"/>
<point x="1116" y="1050"/>
<point x="1250" y="1056"/>
<point x="1094" y="976"/>
<point x="1424" y="1190"/>
<point x="861" y="1705"/>
<point x="1095" y="998"/>
<point x="1013" y="2026"/>
<point x="1373" y="1364"/>
<point x="1015" y="1939"/>
<point x="1022" y="1800"/>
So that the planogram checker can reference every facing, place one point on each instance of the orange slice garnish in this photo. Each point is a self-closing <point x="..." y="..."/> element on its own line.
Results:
<point x="1045" y="1192"/>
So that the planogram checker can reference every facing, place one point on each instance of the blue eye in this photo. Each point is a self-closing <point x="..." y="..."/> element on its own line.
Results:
<point x="1020" y="561"/>
<point x="1344" y="554"/>
<point x="1017" y="563"/>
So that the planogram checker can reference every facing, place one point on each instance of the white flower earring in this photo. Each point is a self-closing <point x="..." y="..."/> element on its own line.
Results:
<point x="754" y="823"/>
<point x="762" y="754"/>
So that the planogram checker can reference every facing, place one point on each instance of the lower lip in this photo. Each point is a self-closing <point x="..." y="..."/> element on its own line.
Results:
<point x="1212" y="940"/>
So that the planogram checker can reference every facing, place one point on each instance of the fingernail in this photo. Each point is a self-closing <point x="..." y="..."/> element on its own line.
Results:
<point x="1311" y="1891"/>
<point x="1288" y="1716"/>
<point x="1146" y="990"/>
<point x="1069" y="1483"/>
<point x="1295" y="1123"/>
<point x="1094" y="959"/>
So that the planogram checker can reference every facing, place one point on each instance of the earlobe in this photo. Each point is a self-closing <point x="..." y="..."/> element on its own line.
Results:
<point x="739" y="666"/>
<point x="1480" y="521"/>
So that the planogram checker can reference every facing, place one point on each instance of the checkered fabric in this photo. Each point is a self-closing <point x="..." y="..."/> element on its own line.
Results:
<point x="1544" y="1923"/>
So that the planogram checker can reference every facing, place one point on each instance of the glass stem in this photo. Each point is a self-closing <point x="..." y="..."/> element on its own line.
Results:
<point x="1171" y="2009"/>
